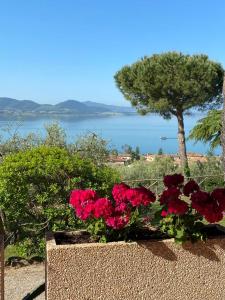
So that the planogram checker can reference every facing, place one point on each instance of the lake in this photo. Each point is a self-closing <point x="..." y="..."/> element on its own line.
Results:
<point x="134" y="130"/>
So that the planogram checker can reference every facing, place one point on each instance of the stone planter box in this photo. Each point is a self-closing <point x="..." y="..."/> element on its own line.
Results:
<point x="159" y="270"/>
<point x="1" y="267"/>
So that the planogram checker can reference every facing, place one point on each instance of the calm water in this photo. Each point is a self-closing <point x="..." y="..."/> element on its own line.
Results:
<point x="135" y="130"/>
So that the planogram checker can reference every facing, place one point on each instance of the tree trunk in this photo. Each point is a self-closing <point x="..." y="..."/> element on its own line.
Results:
<point x="223" y="129"/>
<point x="182" y="144"/>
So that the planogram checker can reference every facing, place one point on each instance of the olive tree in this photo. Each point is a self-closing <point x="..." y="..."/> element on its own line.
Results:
<point x="171" y="84"/>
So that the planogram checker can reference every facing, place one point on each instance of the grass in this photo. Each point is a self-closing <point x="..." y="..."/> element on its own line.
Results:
<point x="11" y="250"/>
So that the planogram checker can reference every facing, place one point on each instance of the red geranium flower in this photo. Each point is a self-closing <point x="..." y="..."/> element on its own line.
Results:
<point x="139" y="196"/>
<point x="200" y="200"/>
<point x="122" y="208"/>
<point x="173" y="180"/>
<point x="103" y="208"/>
<point x="190" y="187"/>
<point x="213" y="213"/>
<point x="85" y="212"/>
<point x="219" y="196"/>
<point x="177" y="207"/>
<point x="169" y="194"/>
<point x="164" y="213"/>
<point x="118" y="221"/>
<point x="81" y="197"/>
<point x="83" y="202"/>
<point x="119" y="192"/>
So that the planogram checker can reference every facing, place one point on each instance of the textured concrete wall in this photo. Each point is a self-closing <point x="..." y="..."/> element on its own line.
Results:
<point x="1" y="267"/>
<point x="159" y="270"/>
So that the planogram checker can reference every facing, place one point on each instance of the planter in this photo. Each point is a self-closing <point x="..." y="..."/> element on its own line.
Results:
<point x="1" y="267"/>
<point x="138" y="270"/>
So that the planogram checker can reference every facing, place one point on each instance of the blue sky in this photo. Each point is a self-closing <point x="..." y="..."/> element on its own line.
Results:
<point x="53" y="50"/>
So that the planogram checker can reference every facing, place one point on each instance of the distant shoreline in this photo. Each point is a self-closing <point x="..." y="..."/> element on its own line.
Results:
<point x="63" y="114"/>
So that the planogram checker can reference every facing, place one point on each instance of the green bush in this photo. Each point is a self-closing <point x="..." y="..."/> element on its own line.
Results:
<point x="34" y="190"/>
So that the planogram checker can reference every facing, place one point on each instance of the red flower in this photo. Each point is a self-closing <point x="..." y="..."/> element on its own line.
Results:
<point x="177" y="207"/>
<point x="119" y="191"/>
<point x="83" y="202"/>
<point x="213" y="213"/>
<point x="173" y="180"/>
<point x="80" y="197"/>
<point x="103" y="208"/>
<point x="164" y="213"/>
<point x="122" y="208"/>
<point x="118" y="221"/>
<point x="169" y="194"/>
<point x="209" y="206"/>
<point x="140" y="196"/>
<point x="219" y="196"/>
<point x="200" y="200"/>
<point x="85" y="212"/>
<point x="190" y="187"/>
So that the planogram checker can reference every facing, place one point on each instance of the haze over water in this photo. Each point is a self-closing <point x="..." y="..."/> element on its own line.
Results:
<point x="134" y="130"/>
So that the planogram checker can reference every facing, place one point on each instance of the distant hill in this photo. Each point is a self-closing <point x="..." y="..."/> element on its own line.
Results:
<point x="68" y="107"/>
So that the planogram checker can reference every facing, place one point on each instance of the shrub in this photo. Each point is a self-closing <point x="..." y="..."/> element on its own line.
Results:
<point x="35" y="187"/>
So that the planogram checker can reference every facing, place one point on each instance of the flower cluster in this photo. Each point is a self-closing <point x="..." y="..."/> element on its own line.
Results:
<point x="115" y="213"/>
<point x="209" y="205"/>
<point x="182" y="207"/>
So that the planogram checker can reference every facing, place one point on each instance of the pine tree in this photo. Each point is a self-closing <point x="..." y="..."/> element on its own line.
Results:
<point x="171" y="84"/>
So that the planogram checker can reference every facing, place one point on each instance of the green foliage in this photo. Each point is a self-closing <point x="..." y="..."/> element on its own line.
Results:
<point x="114" y="152"/>
<point x="35" y="186"/>
<point x="135" y="154"/>
<point x="55" y="135"/>
<point x="15" y="142"/>
<point x="160" y="166"/>
<point x="89" y="146"/>
<point x="209" y="174"/>
<point x="171" y="82"/>
<point x="183" y="228"/>
<point x="93" y="147"/>
<point x="160" y="151"/>
<point x="31" y="246"/>
<point x="102" y="233"/>
<point x="208" y="129"/>
<point x="157" y="168"/>
<point x="149" y="174"/>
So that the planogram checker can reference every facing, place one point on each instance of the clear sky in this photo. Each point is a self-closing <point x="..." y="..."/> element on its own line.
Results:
<point x="53" y="50"/>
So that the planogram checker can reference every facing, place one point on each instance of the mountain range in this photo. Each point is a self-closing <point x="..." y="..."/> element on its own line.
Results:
<point x="69" y="107"/>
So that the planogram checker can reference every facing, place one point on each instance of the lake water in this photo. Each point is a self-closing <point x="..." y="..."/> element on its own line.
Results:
<point x="134" y="130"/>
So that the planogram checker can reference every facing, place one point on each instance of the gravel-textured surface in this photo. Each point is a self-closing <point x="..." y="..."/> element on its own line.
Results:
<point x="21" y="281"/>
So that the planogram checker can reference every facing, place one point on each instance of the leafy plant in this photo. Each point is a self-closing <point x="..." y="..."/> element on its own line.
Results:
<point x="208" y="129"/>
<point x="34" y="191"/>
<point x="183" y="208"/>
<point x="115" y="218"/>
